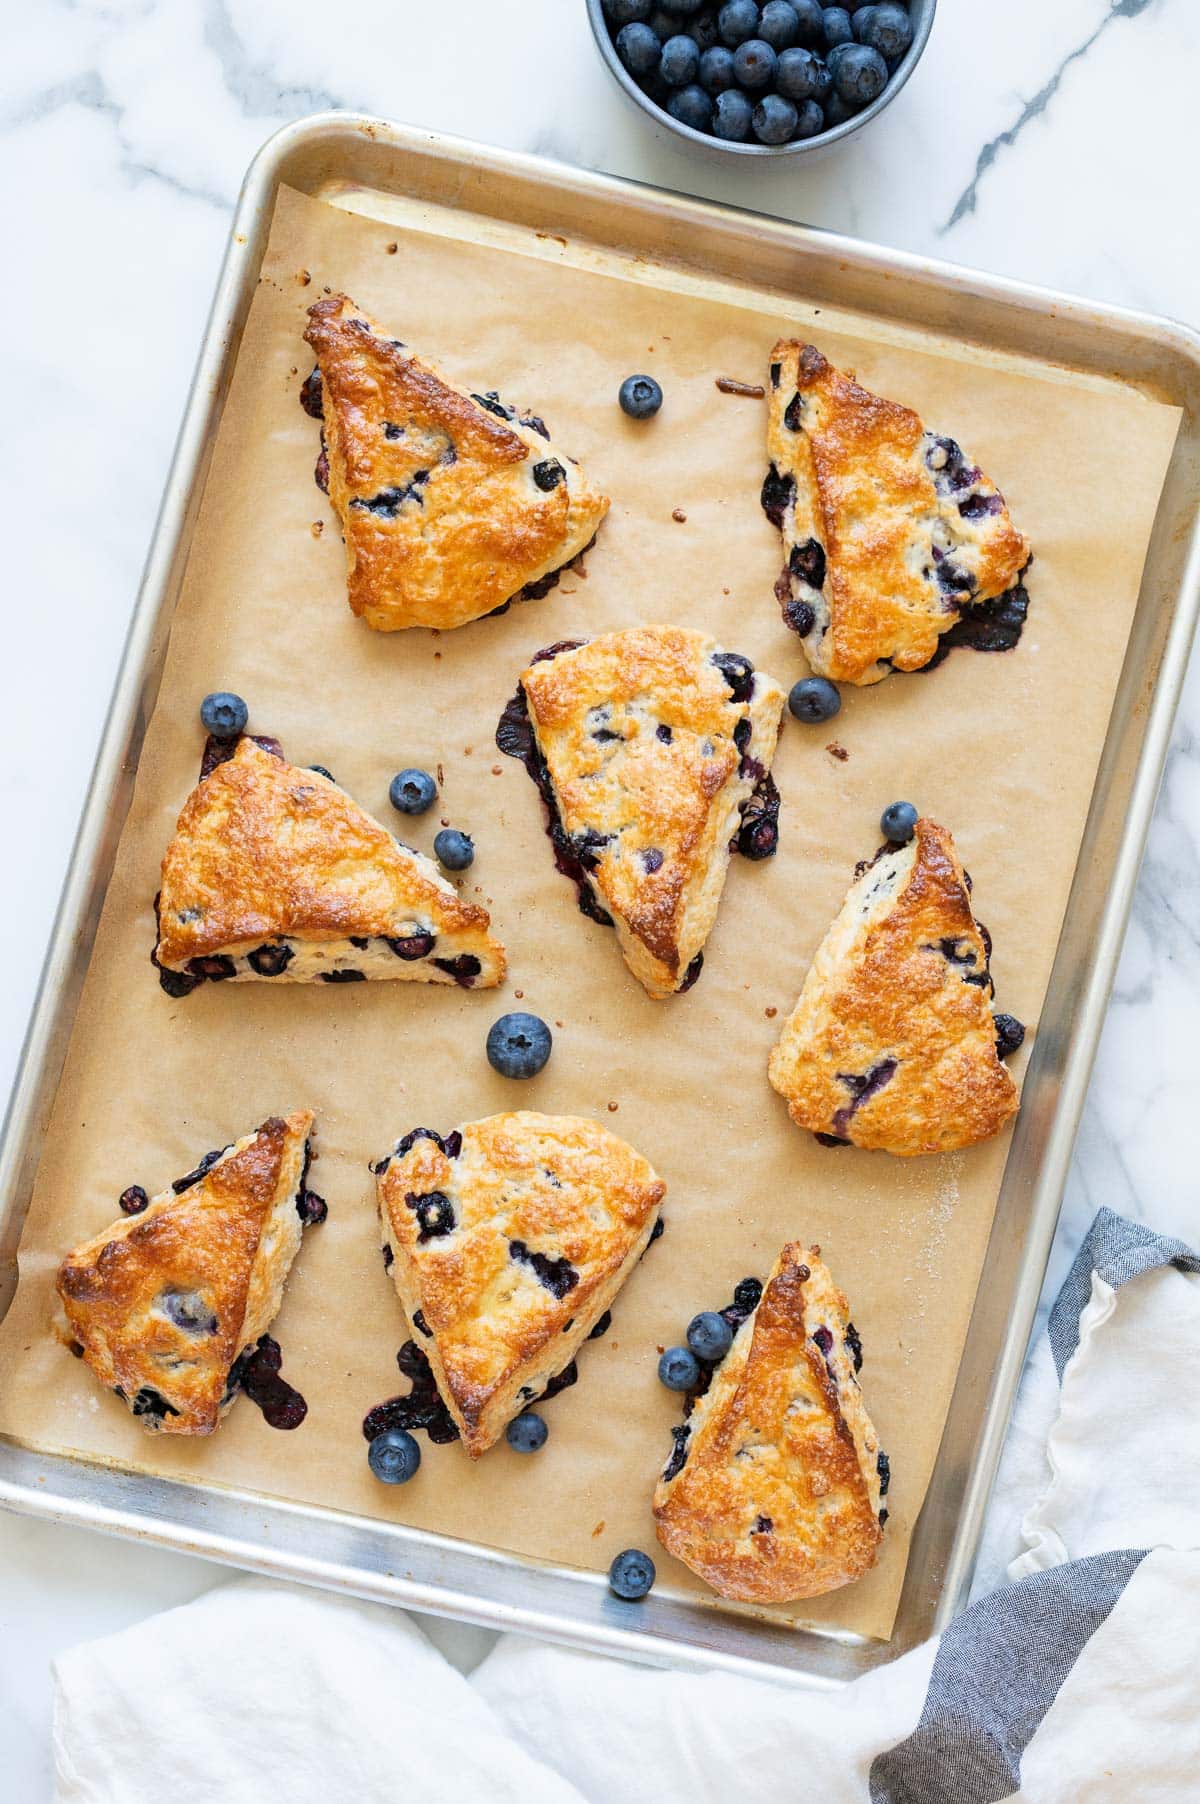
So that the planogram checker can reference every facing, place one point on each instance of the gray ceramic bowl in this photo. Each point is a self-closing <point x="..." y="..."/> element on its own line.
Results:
<point x="922" y="12"/>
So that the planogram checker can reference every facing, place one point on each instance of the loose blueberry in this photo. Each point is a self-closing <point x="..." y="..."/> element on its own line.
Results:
<point x="733" y="116"/>
<point x="518" y="1045"/>
<point x="888" y="30"/>
<point x="716" y="71"/>
<point x="133" y="1200"/>
<point x="737" y="21"/>
<point x="803" y="76"/>
<point x="747" y="1295"/>
<point x="412" y="791"/>
<point x="1010" y="1035"/>
<point x="898" y="822"/>
<point x="692" y="107"/>
<point x="754" y="64"/>
<point x="679" y="62"/>
<point x="814" y="699"/>
<point x="526" y="1433"/>
<point x="709" y="1336"/>
<point x="810" y="119"/>
<point x="638" y="48"/>
<point x="861" y="74"/>
<point x="640" y="397"/>
<point x="453" y="849"/>
<point x="223" y="715"/>
<point x="775" y="119"/>
<point x="779" y="25"/>
<point x="837" y="27"/>
<point x="628" y="12"/>
<point x="631" y="1574"/>
<point x="679" y="1369"/>
<point x="394" y="1456"/>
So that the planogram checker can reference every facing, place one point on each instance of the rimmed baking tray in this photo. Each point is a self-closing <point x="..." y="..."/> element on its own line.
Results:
<point x="334" y="155"/>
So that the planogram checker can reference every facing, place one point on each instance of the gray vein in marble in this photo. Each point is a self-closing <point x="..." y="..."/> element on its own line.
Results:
<point x="1035" y="109"/>
<point x="253" y="87"/>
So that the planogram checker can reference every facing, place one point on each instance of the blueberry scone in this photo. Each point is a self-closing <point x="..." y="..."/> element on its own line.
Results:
<point x="773" y="1490"/>
<point x="893" y="1044"/>
<point x="274" y="873"/>
<point x="169" y="1307"/>
<point x="508" y="1240"/>
<point x="652" y="749"/>
<point x="897" y="546"/>
<point x="451" y="504"/>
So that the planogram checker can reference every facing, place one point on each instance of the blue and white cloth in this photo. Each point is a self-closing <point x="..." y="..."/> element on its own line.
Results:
<point x="1077" y="1679"/>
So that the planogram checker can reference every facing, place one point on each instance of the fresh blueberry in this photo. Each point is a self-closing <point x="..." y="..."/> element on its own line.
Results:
<point x="518" y="1045"/>
<point x="810" y="23"/>
<point x="837" y="27"/>
<point x="691" y="106"/>
<point x="862" y="20"/>
<point x="709" y="1336"/>
<point x="640" y="397"/>
<point x="732" y="116"/>
<point x="412" y="791"/>
<point x="453" y="849"/>
<point x="680" y="61"/>
<point x="716" y="70"/>
<point x="861" y="74"/>
<point x="775" y="119"/>
<point x="638" y="48"/>
<point x="803" y="76"/>
<point x="526" y="1433"/>
<point x="627" y="12"/>
<point x="631" y="1574"/>
<point x="223" y="715"/>
<point x="779" y="25"/>
<point x="754" y="64"/>
<point x="663" y="24"/>
<point x="888" y="29"/>
<point x="704" y="30"/>
<point x="1010" y="1035"/>
<point x="394" y="1456"/>
<point x="679" y="1369"/>
<point x="898" y="822"/>
<point x="836" y="110"/>
<point x="810" y="119"/>
<point x="814" y="698"/>
<point x="737" y="21"/>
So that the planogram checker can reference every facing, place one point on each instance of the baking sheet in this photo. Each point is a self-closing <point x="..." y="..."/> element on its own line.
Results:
<point x="1003" y="750"/>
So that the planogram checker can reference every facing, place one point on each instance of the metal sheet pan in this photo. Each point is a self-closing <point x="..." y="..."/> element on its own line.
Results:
<point x="341" y="155"/>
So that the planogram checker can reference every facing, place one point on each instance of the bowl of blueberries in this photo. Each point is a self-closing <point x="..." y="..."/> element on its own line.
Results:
<point x="761" y="77"/>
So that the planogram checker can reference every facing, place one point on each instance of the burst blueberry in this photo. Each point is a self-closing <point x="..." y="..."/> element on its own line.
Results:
<point x="679" y="62"/>
<point x="518" y="1045"/>
<point x="679" y="1369"/>
<point x="640" y="397"/>
<point x="1010" y="1035"/>
<point x="394" y="1456"/>
<point x="814" y="699"/>
<point x="526" y="1433"/>
<point x="803" y="76"/>
<point x="223" y="714"/>
<point x="454" y="850"/>
<point x="709" y="1336"/>
<point x="412" y="791"/>
<point x="631" y="1574"/>
<point x="898" y="822"/>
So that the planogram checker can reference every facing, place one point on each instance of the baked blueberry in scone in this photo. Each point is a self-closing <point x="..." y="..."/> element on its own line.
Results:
<point x="773" y="1489"/>
<point x="275" y="874"/>
<point x="170" y="1307"/>
<point x="451" y="504"/>
<point x="893" y="1043"/>
<point x="652" y="748"/>
<point x="897" y="546"/>
<point x="508" y="1240"/>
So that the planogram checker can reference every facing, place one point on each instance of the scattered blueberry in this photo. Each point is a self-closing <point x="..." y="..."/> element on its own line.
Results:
<point x="679" y="62"/>
<point x="640" y="396"/>
<point x="709" y="1336"/>
<point x="898" y="822"/>
<point x="732" y="116"/>
<point x="223" y="715"/>
<point x="810" y="119"/>
<point x="814" y="699"/>
<point x="803" y="76"/>
<point x="412" y="791"/>
<point x="775" y="119"/>
<point x="518" y="1045"/>
<point x="627" y="12"/>
<point x="692" y="107"/>
<point x="394" y="1456"/>
<point x="679" y="1369"/>
<point x="716" y="70"/>
<point x="779" y="25"/>
<point x="526" y="1433"/>
<point x="1010" y="1035"/>
<point x="737" y="21"/>
<point x="888" y="30"/>
<point x="837" y="27"/>
<point x="453" y="849"/>
<point x="754" y="64"/>
<point x="861" y="74"/>
<point x="631" y="1574"/>
<point x="638" y="48"/>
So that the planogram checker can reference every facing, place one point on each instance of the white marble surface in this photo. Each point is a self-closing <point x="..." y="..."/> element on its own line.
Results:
<point x="1046" y="142"/>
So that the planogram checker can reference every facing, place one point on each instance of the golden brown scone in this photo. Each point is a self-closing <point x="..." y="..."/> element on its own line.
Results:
<point x="773" y="1489"/>
<point x="657" y="746"/>
<point x="893" y="1043"/>
<point x="508" y="1240"/>
<point x="890" y="534"/>
<point x="164" y="1303"/>
<point x="450" y="503"/>
<point x="275" y="873"/>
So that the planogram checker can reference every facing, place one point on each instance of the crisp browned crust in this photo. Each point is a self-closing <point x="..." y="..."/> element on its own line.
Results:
<point x="900" y="979"/>
<point x="889" y="526"/>
<point x="566" y="1191"/>
<point x="779" y="1495"/>
<point x="226" y="1244"/>
<point x="596" y="711"/>
<point x="470" y="524"/>
<point x="265" y="853"/>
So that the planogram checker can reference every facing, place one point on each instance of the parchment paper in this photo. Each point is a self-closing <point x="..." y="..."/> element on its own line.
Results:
<point x="1001" y="749"/>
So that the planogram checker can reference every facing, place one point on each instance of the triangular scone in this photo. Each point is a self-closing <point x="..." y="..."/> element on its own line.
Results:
<point x="508" y="1240"/>
<point x="653" y="743"/>
<point x="892" y="1045"/>
<point x="163" y="1304"/>
<point x="773" y="1489"/>
<point x="892" y="537"/>
<point x="275" y="873"/>
<point x="450" y="503"/>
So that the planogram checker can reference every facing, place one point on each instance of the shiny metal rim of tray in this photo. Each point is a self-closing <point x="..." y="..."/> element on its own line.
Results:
<point x="453" y="1578"/>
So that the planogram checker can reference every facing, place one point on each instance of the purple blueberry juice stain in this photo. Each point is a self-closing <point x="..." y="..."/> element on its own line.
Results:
<point x="257" y="1372"/>
<point x="862" y="1089"/>
<point x="990" y="626"/>
<point x="422" y="1409"/>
